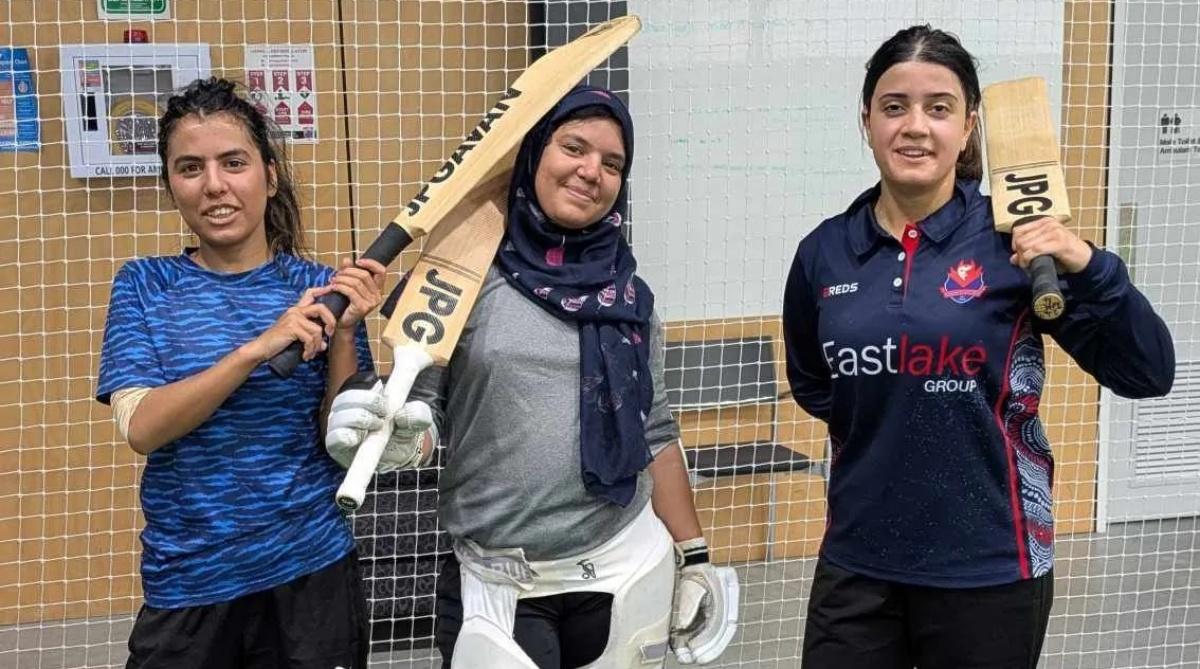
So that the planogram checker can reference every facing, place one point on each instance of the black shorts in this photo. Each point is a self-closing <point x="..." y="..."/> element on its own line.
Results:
<point x="856" y="621"/>
<point x="556" y="632"/>
<point x="318" y="620"/>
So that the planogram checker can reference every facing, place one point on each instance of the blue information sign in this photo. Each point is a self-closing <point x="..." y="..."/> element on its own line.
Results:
<point x="19" y="129"/>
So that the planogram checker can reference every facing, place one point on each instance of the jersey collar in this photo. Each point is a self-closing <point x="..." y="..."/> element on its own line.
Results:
<point x="865" y="233"/>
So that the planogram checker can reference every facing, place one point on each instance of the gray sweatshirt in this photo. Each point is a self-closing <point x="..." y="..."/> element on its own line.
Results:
<point x="507" y="409"/>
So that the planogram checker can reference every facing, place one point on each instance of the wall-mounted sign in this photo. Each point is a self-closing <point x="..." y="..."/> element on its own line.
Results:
<point x="18" y="102"/>
<point x="282" y="85"/>
<point x="113" y="95"/>
<point x="1179" y="135"/>
<point x="123" y="10"/>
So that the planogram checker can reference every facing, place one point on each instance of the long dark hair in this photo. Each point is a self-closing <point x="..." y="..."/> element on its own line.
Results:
<point x="208" y="97"/>
<point x="926" y="44"/>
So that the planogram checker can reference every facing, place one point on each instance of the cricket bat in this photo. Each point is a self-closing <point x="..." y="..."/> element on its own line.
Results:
<point x="1025" y="173"/>
<point x="488" y="150"/>
<point x="432" y="310"/>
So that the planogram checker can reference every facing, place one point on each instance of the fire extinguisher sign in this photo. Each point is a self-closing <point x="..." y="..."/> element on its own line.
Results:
<point x="123" y="10"/>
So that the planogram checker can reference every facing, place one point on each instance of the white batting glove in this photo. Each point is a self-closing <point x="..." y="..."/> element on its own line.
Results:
<point x="705" y="612"/>
<point x="360" y="408"/>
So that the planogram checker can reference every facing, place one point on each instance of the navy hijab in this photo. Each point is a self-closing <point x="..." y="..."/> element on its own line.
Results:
<point x="588" y="277"/>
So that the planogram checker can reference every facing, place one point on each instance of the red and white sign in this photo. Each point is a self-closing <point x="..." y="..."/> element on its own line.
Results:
<point x="291" y="97"/>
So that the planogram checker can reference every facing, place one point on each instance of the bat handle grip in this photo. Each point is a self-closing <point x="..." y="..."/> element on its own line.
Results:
<point x="408" y="363"/>
<point x="353" y="491"/>
<point x="1048" y="302"/>
<point x="384" y="250"/>
<point x="285" y="362"/>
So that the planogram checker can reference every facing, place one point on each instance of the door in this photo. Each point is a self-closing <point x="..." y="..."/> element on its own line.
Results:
<point x="1153" y="446"/>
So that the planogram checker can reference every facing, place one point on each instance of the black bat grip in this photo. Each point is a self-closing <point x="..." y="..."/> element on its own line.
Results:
<point x="383" y="250"/>
<point x="388" y="245"/>
<point x="286" y="361"/>
<point x="1048" y="302"/>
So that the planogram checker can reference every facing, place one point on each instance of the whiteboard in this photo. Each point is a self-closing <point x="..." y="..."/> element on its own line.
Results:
<point x="747" y="134"/>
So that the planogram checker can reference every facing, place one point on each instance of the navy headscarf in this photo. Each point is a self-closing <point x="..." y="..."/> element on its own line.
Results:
<point x="588" y="276"/>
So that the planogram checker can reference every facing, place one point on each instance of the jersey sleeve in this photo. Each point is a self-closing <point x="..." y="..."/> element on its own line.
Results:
<point x="661" y="428"/>
<point x="1110" y="329"/>
<point x="807" y="370"/>
<point x="128" y="357"/>
<point x="362" y="346"/>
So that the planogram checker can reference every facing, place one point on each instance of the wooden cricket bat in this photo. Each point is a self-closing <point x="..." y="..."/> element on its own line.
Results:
<point x="1025" y="173"/>
<point x="489" y="150"/>
<point x="432" y="310"/>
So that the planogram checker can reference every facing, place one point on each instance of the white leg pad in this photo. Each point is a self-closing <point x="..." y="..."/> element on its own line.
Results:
<point x="637" y="566"/>
<point x="641" y="620"/>
<point x="483" y="645"/>
<point x="641" y="608"/>
<point x="489" y="616"/>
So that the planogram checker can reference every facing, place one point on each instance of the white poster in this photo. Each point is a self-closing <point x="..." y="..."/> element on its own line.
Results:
<point x="282" y="84"/>
<point x="113" y="96"/>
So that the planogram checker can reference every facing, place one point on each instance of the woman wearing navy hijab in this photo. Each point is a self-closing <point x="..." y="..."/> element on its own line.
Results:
<point x="565" y="487"/>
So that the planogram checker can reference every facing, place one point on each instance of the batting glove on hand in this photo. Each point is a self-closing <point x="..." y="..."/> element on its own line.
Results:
<point x="360" y="408"/>
<point x="705" y="612"/>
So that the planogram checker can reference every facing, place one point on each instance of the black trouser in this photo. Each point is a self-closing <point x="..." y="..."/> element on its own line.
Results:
<point x="319" y="620"/>
<point x="556" y="632"/>
<point x="855" y="621"/>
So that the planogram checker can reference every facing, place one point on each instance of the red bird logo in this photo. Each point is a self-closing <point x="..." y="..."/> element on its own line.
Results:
<point x="964" y="282"/>
<point x="966" y="272"/>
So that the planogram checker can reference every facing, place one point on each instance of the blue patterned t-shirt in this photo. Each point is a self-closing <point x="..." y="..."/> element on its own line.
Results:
<point x="245" y="501"/>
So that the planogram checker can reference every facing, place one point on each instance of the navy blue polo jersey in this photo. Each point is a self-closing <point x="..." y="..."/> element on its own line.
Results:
<point x="924" y="358"/>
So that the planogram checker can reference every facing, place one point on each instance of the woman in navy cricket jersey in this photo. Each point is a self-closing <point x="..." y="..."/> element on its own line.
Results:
<point x="246" y="561"/>
<point x="908" y="330"/>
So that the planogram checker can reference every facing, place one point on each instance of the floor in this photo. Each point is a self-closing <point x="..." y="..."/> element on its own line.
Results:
<point x="1128" y="598"/>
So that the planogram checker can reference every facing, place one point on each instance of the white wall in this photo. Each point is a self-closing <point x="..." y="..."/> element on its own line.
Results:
<point x="747" y="127"/>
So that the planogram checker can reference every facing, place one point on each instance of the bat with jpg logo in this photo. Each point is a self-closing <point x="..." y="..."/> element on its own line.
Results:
<point x="489" y="150"/>
<point x="469" y="192"/>
<point x="1025" y="173"/>
<point x="431" y="312"/>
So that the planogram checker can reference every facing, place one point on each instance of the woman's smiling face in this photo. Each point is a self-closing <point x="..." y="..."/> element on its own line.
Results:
<point x="581" y="172"/>
<point x="917" y="124"/>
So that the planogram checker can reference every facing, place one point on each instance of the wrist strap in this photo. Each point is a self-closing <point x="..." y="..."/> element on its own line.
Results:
<point x="692" y="551"/>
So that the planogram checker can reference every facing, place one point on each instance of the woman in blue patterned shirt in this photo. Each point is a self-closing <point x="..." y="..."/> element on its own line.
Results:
<point x="246" y="560"/>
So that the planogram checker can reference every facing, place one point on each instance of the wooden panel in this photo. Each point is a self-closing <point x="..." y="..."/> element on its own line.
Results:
<point x="799" y="431"/>
<point x="69" y="516"/>
<point x="732" y="425"/>
<point x="1071" y="403"/>
<point x="68" y="509"/>
<point x="746" y="327"/>
<point x="799" y="516"/>
<point x="428" y="72"/>
<point x="733" y="512"/>
<point x="74" y="529"/>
